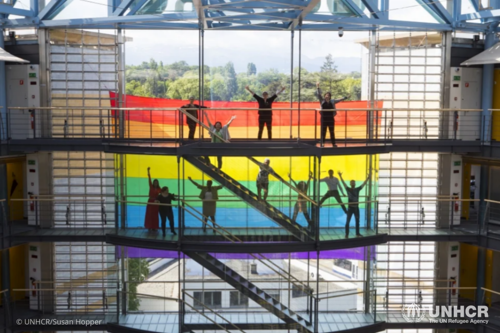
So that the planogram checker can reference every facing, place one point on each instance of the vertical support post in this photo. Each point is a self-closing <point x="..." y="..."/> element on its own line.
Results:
<point x="315" y="195"/>
<point x="121" y="131"/>
<point x="124" y="281"/>
<point x="121" y="81"/>
<point x="5" y="269"/>
<point x="180" y="294"/>
<point x="371" y="91"/>
<point x="45" y="116"/>
<point x="316" y="307"/>
<point x="445" y="117"/>
<point x="457" y="10"/>
<point x="3" y="93"/>
<point x="291" y="83"/>
<point x="202" y="78"/>
<point x="299" y="87"/>
<point x="368" y="289"/>
<point x="481" y="266"/>
<point x="487" y="89"/>
<point x="483" y="194"/>
<point x="369" y="205"/>
<point x="180" y="216"/>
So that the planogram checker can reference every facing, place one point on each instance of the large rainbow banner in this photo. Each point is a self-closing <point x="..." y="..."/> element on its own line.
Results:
<point x="231" y="210"/>
<point x="165" y="124"/>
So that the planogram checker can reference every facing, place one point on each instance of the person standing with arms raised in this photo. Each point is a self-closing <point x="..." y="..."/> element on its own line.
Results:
<point x="328" y="114"/>
<point x="353" y="194"/>
<point x="209" y="195"/>
<point x="192" y="110"/>
<point x="151" y="221"/>
<point x="333" y="190"/>
<point x="265" y="111"/>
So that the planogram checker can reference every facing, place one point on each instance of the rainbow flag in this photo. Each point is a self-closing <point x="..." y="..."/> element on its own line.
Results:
<point x="231" y="210"/>
<point x="165" y="124"/>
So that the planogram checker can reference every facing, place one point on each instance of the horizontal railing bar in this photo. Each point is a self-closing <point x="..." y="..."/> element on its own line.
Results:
<point x="492" y="201"/>
<point x="491" y="291"/>
<point x="432" y="288"/>
<point x="66" y="108"/>
<point x="349" y="294"/>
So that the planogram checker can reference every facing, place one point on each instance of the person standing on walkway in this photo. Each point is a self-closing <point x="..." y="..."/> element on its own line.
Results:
<point x="265" y="111"/>
<point x="301" y="204"/>
<point x="217" y="132"/>
<point x="193" y="111"/>
<point x="151" y="219"/>
<point x="328" y="114"/>
<point x="353" y="194"/>
<point x="263" y="178"/>
<point x="209" y="196"/>
<point x="166" y="210"/>
<point x="333" y="190"/>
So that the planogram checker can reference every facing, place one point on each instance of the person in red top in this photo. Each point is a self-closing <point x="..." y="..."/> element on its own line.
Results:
<point x="151" y="221"/>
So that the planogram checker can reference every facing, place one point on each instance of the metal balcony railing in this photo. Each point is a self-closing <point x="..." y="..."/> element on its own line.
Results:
<point x="170" y="124"/>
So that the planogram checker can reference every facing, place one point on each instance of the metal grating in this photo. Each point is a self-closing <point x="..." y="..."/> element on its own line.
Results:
<point x="409" y="75"/>
<point x="83" y="69"/>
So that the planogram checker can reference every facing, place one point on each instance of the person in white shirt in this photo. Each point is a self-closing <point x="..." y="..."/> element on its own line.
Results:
<point x="333" y="190"/>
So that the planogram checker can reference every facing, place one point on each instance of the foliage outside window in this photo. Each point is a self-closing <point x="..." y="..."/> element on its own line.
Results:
<point x="138" y="271"/>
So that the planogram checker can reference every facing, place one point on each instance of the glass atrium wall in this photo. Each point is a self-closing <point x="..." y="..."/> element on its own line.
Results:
<point x="410" y="177"/>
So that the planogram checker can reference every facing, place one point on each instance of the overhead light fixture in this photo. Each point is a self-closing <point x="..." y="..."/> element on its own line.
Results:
<point x="341" y="32"/>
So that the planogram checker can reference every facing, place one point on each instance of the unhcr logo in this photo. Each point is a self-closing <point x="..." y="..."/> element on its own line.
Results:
<point x="454" y="314"/>
<point x="412" y="313"/>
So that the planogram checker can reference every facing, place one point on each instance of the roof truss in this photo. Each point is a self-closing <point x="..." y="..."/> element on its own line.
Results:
<point x="255" y="15"/>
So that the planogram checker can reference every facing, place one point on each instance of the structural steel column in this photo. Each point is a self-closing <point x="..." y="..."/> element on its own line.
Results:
<point x="481" y="253"/>
<point x="45" y="96"/>
<point x="291" y="82"/>
<point x="121" y="134"/>
<point x="487" y="89"/>
<point x="481" y="267"/>
<point x="5" y="269"/>
<point x="368" y="272"/>
<point x="3" y="93"/>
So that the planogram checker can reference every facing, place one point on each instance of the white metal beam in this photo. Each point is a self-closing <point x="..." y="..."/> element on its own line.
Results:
<point x="198" y="8"/>
<point x="303" y="14"/>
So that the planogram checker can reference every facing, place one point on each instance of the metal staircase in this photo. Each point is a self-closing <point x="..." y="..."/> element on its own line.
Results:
<point x="251" y="198"/>
<point x="251" y="291"/>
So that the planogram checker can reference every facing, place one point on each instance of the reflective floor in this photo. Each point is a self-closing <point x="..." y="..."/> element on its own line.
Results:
<point x="244" y="234"/>
<point x="329" y="322"/>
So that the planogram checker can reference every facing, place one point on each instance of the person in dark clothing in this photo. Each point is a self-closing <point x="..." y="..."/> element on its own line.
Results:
<point x="301" y="203"/>
<point x="265" y="111"/>
<point x="194" y="112"/>
<point x="353" y="195"/>
<point x="166" y="211"/>
<point x="328" y="117"/>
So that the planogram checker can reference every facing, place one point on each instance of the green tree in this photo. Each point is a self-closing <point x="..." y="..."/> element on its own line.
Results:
<point x="251" y="69"/>
<point x="138" y="271"/>
<point x="328" y="74"/>
<point x="231" y="81"/>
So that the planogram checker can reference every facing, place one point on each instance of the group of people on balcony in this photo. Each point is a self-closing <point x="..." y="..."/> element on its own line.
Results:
<point x="220" y="133"/>
<point x="160" y="199"/>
